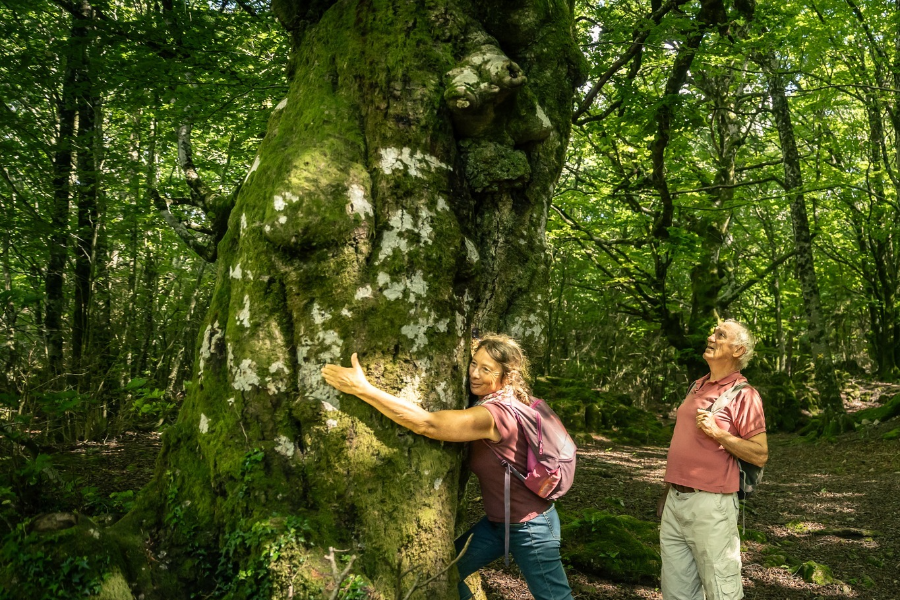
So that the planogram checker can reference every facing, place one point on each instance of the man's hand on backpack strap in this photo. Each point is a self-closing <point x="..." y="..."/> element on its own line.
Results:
<point x="706" y="422"/>
<point x="754" y="450"/>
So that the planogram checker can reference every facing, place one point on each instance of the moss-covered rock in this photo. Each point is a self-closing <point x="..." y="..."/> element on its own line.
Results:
<point x="893" y="434"/>
<point x="777" y="556"/>
<point x="115" y="587"/>
<point x="813" y="572"/>
<point x="753" y="535"/>
<point x="617" y="547"/>
<point x="82" y="561"/>
<point x="888" y="410"/>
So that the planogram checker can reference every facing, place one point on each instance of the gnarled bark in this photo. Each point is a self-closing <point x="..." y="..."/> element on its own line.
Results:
<point x="381" y="216"/>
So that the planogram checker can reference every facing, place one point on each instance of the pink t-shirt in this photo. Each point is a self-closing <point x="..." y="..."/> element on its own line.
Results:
<point x="695" y="460"/>
<point x="524" y="504"/>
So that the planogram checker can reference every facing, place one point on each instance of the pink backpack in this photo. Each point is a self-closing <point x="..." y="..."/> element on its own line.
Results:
<point x="550" y="466"/>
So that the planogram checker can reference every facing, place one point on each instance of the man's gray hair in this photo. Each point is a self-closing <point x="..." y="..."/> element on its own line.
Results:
<point x="744" y="339"/>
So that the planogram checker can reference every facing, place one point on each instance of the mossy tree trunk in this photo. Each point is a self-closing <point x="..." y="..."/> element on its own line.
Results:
<point x="399" y="199"/>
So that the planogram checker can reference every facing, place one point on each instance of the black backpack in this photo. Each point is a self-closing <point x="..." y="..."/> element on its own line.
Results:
<point x="751" y="475"/>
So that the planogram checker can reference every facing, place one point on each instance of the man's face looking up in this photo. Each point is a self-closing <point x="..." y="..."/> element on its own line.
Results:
<point x="720" y="345"/>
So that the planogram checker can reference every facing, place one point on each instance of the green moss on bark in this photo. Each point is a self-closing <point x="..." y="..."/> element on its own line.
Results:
<point x="360" y="227"/>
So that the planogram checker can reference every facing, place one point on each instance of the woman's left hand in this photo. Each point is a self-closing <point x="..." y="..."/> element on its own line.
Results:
<point x="348" y="380"/>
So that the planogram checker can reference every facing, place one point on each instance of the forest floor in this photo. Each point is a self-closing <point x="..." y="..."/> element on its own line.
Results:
<point x="835" y="503"/>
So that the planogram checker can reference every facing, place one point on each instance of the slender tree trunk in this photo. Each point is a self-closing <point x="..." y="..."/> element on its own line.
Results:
<point x="100" y="341"/>
<point x="184" y="339"/>
<point x="147" y="326"/>
<point x="779" y="322"/>
<point x="138" y="192"/>
<point x="10" y="352"/>
<point x="711" y="273"/>
<point x="59" y="212"/>
<point x="775" y="288"/>
<point x="86" y="231"/>
<point x="555" y="312"/>
<point x="399" y="199"/>
<point x="826" y="382"/>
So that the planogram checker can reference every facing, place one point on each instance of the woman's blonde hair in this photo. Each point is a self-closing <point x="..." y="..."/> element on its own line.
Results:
<point x="507" y="353"/>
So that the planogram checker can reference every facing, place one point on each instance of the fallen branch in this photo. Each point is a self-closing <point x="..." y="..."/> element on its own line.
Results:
<point x="846" y="532"/>
<point x="416" y="584"/>
<point x="338" y="575"/>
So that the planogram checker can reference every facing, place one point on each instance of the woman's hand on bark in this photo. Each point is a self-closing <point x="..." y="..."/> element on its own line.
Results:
<point x="350" y="380"/>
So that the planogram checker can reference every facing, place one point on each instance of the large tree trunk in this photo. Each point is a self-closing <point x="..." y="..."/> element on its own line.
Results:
<point x="176" y="374"/>
<point x="399" y="199"/>
<point x="826" y="382"/>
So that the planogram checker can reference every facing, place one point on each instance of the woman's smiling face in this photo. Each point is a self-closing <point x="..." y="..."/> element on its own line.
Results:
<point x="485" y="374"/>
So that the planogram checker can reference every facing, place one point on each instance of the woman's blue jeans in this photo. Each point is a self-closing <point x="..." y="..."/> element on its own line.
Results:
<point x="535" y="546"/>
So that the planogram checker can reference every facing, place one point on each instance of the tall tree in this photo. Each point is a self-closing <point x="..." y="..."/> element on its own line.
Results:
<point x="826" y="382"/>
<point x="67" y="110"/>
<point x="86" y="196"/>
<point x="399" y="199"/>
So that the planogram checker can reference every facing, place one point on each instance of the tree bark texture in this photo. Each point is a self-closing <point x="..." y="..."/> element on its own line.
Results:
<point x="826" y="382"/>
<point x="86" y="192"/>
<point x="59" y="213"/>
<point x="399" y="199"/>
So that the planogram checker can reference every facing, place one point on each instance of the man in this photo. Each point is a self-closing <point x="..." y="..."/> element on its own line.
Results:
<point x="699" y="542"/>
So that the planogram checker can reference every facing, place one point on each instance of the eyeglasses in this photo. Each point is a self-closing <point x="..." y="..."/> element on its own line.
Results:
<point x="483" y="371"/>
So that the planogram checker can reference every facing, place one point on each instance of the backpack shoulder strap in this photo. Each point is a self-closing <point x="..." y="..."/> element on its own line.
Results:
<point x="727" y="396"/>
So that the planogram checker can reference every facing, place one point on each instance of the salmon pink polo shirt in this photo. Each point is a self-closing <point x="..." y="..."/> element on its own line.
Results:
<point x="695" y="460"/>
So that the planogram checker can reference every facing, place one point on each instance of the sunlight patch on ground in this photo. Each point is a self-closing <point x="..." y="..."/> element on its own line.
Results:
<point x="791" y="585"/>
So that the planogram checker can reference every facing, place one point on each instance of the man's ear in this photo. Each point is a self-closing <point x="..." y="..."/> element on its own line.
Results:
<point x="739" y="351"/>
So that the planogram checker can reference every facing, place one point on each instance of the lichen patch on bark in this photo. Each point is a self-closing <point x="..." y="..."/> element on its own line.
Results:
<point x="413" y="162"/>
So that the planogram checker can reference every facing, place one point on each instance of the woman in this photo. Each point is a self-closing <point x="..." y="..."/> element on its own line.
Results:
<point x="497" y="374"/>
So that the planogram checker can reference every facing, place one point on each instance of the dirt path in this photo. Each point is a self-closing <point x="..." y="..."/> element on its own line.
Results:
<point x="834" y="503"/>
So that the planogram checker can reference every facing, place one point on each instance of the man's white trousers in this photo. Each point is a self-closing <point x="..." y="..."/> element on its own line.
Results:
<point x="700" y="547"/>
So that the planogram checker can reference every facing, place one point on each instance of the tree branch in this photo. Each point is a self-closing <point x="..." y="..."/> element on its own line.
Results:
<point x="729" y="186"/>
<point x="336" y="574"/>
<point x="641" y="32"/>
<point x="731" y="295"/>
<point x="594" y="118"/>
<point x="205" y="249"/>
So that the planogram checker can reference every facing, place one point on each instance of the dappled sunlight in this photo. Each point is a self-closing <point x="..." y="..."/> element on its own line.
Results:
<point x="643" y="464"/>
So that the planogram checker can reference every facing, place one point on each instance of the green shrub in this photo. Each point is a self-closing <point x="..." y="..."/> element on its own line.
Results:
<point x="781" y="402"/>
<point x="582" y="408"/>
<point x="32" y="571"/>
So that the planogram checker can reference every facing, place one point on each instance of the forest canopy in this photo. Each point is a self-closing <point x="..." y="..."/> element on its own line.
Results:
<point x="203" y="199"/>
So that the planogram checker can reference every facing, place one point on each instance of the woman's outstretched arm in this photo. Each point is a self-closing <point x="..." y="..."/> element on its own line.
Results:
<point x="475" y="423"/>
